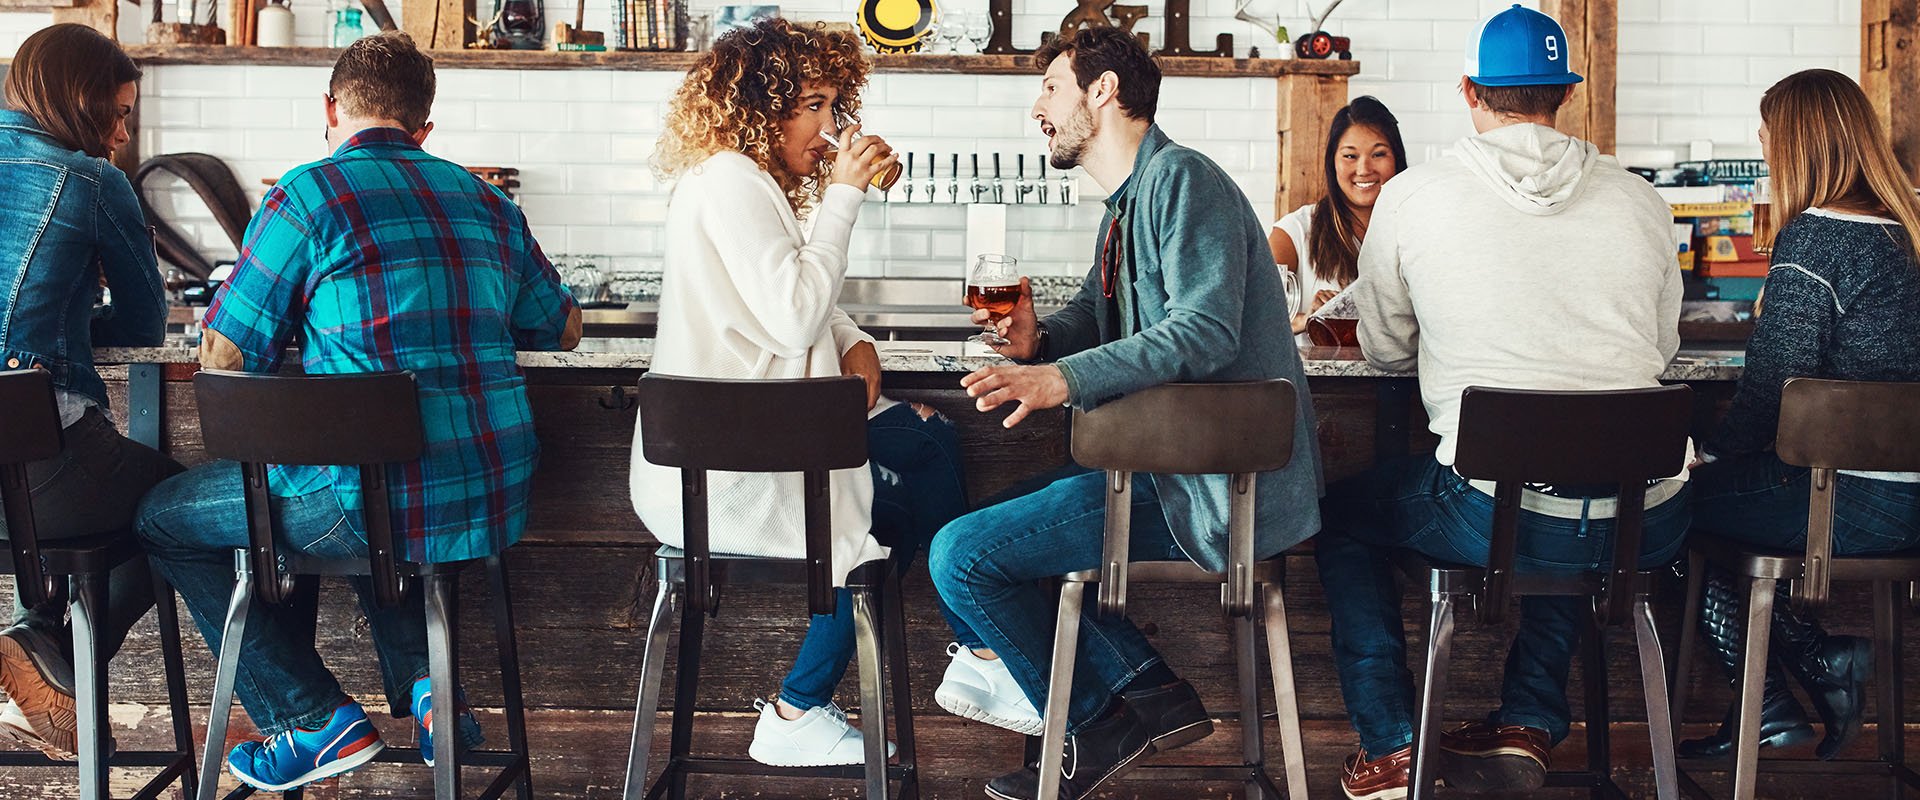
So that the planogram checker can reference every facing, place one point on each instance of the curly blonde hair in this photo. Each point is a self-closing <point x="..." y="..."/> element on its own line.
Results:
<point x="736" y="95"/>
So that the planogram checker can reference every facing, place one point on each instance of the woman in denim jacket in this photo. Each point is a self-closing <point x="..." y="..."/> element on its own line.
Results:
<point x="68" y="220"/>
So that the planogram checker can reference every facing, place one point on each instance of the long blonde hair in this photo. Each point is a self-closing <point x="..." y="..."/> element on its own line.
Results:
<point x="1825" y="147"/>
<point x="736" y="95"/>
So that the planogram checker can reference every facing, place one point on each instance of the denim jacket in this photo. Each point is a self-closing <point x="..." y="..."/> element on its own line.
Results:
<point x="1199" y="300"/>
<point x="65" y="217"/>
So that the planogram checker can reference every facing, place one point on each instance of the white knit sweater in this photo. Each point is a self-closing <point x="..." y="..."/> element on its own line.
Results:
<point x="747" y="294"/>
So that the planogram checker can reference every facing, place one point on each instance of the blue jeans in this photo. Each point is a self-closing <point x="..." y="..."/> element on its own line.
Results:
<point x="1418" y="504"/>
<point x="191" y="524"/>
<point x="1759" y="499"/>
<point x="988" y="564"/>
<point x="918" y="486"/>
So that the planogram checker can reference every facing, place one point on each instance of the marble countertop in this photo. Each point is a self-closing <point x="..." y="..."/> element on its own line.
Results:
<point x="902" y="356"/>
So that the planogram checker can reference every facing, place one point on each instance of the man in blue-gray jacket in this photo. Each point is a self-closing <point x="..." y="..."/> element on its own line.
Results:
<point x="1183" y="289"/>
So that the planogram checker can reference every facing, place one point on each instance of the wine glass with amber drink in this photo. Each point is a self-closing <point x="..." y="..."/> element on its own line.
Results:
<point x="993" y="285"/>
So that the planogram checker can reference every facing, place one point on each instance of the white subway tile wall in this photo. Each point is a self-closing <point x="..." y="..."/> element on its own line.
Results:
<point x="1688" y="70"/>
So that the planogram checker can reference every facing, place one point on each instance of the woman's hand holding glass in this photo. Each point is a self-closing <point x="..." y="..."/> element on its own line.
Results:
<point x="858" y="159"/>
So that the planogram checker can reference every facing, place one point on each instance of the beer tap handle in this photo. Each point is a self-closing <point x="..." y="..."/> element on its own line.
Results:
<point x="888" y="196"/>
<point x="1020" y="179"/>
<point x="931" y="170"/>
<point x="999" y="184"/>
<point x="953" y="189"/>
<point x="1043" y="179"/>
<point x="975" y="189"/>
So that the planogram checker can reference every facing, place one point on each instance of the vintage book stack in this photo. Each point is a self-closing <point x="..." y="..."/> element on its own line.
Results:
<point x="650" y="24"/>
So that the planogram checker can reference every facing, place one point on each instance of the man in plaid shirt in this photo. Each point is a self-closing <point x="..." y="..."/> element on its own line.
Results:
<point x="383" y="258"/>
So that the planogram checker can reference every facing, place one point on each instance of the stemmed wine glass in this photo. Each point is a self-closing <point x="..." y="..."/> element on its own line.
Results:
<point x="953" y="28"/>
<point x="979" y="30"/>
<point x="994" y="285"/>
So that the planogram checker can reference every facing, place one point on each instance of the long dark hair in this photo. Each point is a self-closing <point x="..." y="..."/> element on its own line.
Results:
<point x="67" y="77"/>
<point x="1334" y="242"/>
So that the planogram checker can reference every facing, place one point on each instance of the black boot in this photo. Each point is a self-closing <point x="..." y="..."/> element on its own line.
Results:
<point x="1832" y="669"/>
<point x="1723" y="620"/>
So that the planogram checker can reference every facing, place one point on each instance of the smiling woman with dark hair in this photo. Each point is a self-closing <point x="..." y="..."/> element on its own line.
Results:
<point x="1320" y="241"/>
<point x="68" y="220"/>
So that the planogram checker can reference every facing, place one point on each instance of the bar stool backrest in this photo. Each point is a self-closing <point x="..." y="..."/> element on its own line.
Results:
<point x="29" y="431"/>
<point x="1832" y="425"/>
<point x="369" y="420"/>
<point x="811" y="426"/>
<point x="1236" y="429"/>
<point x="1623" y="438"/>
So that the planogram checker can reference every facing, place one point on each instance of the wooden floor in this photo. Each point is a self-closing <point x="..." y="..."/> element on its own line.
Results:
<point x="583" y="754"/>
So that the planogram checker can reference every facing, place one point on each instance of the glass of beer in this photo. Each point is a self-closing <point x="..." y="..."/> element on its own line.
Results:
<point x="1763" y="216"/>
<point x="993" y="285"/>
<point x="882" y="180"/>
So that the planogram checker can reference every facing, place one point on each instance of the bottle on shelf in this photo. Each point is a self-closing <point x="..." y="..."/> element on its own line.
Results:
<point x="274" y="27"/>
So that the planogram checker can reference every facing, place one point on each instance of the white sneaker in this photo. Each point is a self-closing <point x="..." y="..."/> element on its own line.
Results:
<point x="983" y="690"/>
<point x="819" y="738"/>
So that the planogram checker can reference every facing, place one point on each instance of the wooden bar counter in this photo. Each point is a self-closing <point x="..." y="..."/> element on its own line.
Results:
<point x="583" y="584"/>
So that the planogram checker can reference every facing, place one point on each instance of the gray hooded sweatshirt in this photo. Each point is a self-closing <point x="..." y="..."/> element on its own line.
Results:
<point x="1522" y="259"/>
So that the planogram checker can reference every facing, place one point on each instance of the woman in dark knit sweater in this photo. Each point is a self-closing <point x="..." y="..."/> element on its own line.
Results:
<point x="1842" y="301"/>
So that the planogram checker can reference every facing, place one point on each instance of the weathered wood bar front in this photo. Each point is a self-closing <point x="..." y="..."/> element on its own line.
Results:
<point x="583" y="585"/>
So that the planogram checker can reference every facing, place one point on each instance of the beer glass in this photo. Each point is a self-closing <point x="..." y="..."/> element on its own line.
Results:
<point x="882" y="180"/>
<point x="1763" y="216"/>
<point x="994" y="285"/>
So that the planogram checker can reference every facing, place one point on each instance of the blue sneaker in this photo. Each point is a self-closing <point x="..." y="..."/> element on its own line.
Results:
<point x="470" y="735"/>
<point x="299" y="757"/>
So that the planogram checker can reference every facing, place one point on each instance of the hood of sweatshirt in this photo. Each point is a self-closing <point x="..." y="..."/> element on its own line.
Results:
<point x="1536" y="169"/>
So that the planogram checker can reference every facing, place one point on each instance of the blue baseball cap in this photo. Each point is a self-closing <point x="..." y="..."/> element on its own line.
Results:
<point x="1519" y="47"/>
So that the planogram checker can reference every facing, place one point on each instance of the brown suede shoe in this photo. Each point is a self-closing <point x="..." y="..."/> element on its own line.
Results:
<point x="1484" y="757"/>
<point x="1383" y="778"/>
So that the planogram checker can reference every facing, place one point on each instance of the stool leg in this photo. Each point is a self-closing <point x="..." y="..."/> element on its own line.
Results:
<point x="501" y="593"/>
<point x="893" y="614"/>
<point x="1753" y="678"/>
<point x="1689" y="636"/>
<point x="227" y="668"/>
<point x="1066" y="645"/>
<point x="1433" y="693"/>
<point x="1286" y="704"/>
<point x="86" y="599"/>
<point x="1653" y="683"/>
<point x="1888" y="647"/>
<point x="167" y="616"/>
<point x="1246" y="670"/>
<point x="653" y="663"/>
<point x="686" y="692"/>
<point x="441" y="678"/>
<point x="1599" y="720"/>
<point x="873" y="691"/>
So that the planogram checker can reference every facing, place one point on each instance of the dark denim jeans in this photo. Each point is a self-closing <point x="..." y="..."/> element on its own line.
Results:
<point x="93" y="486"/>
<point x="918" y="486"/>
<point x="192" y="523"/>
<point x="1418" y="504"/>
<point x="1762" y="500"/>
<point x="988" y="564"/>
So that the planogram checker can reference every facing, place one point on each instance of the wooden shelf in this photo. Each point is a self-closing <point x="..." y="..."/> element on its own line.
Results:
<point x="1187" y="66"/>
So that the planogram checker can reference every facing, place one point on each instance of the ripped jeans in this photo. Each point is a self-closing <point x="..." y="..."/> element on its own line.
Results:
<point x="918" y="487"/>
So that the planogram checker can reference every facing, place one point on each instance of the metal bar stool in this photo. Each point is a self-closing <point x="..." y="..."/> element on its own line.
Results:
<point x="1828" y="426"/>
<point x="810" y="426"/>
<point x="1613" y="438"/>
<point x="1236" y="429"/>
<point x="371" y="420"/>
<point x="32" y="432"/>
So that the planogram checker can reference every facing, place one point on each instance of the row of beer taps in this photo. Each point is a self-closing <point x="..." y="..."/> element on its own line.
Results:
<point x="930" y="179"/>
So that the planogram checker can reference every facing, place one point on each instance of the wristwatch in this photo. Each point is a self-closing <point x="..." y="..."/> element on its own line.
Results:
<point x="1040" y="341"/>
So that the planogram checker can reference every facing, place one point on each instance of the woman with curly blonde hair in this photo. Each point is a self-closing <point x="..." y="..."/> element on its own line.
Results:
<point x="758" y="137"/>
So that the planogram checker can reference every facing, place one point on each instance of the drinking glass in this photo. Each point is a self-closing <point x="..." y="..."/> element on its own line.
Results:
<point x="882" y="180"/>
<point x="1291" y="284"/>
<point x="953" y="28"/>
<point x="994" y="285"/>
<point x="1763" y="216"/>
<point x="979" y="30"/>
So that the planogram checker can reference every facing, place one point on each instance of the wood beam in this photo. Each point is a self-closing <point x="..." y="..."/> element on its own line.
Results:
<point x="1593" y="32"/>
<point x="100" y="15"/>
<point x="438" y="24"/>
<point x="1890" y="73"/>
<point x="1305" y="106"/>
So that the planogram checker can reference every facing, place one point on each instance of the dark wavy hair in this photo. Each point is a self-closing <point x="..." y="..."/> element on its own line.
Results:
<point x="67" y="77"/>
<point x="1334" y="242"/>
<point x="736" y="95"/>
<point x="1104" y="49"/>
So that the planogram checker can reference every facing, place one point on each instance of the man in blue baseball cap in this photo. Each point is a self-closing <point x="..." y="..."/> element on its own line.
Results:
<point x="1522" y="259"/>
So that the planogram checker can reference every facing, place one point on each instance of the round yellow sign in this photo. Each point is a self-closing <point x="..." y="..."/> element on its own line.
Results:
<point x="895" y="26"/>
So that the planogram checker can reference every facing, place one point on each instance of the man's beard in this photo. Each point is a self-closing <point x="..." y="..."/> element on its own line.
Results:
<point x="1070" y="139"/>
